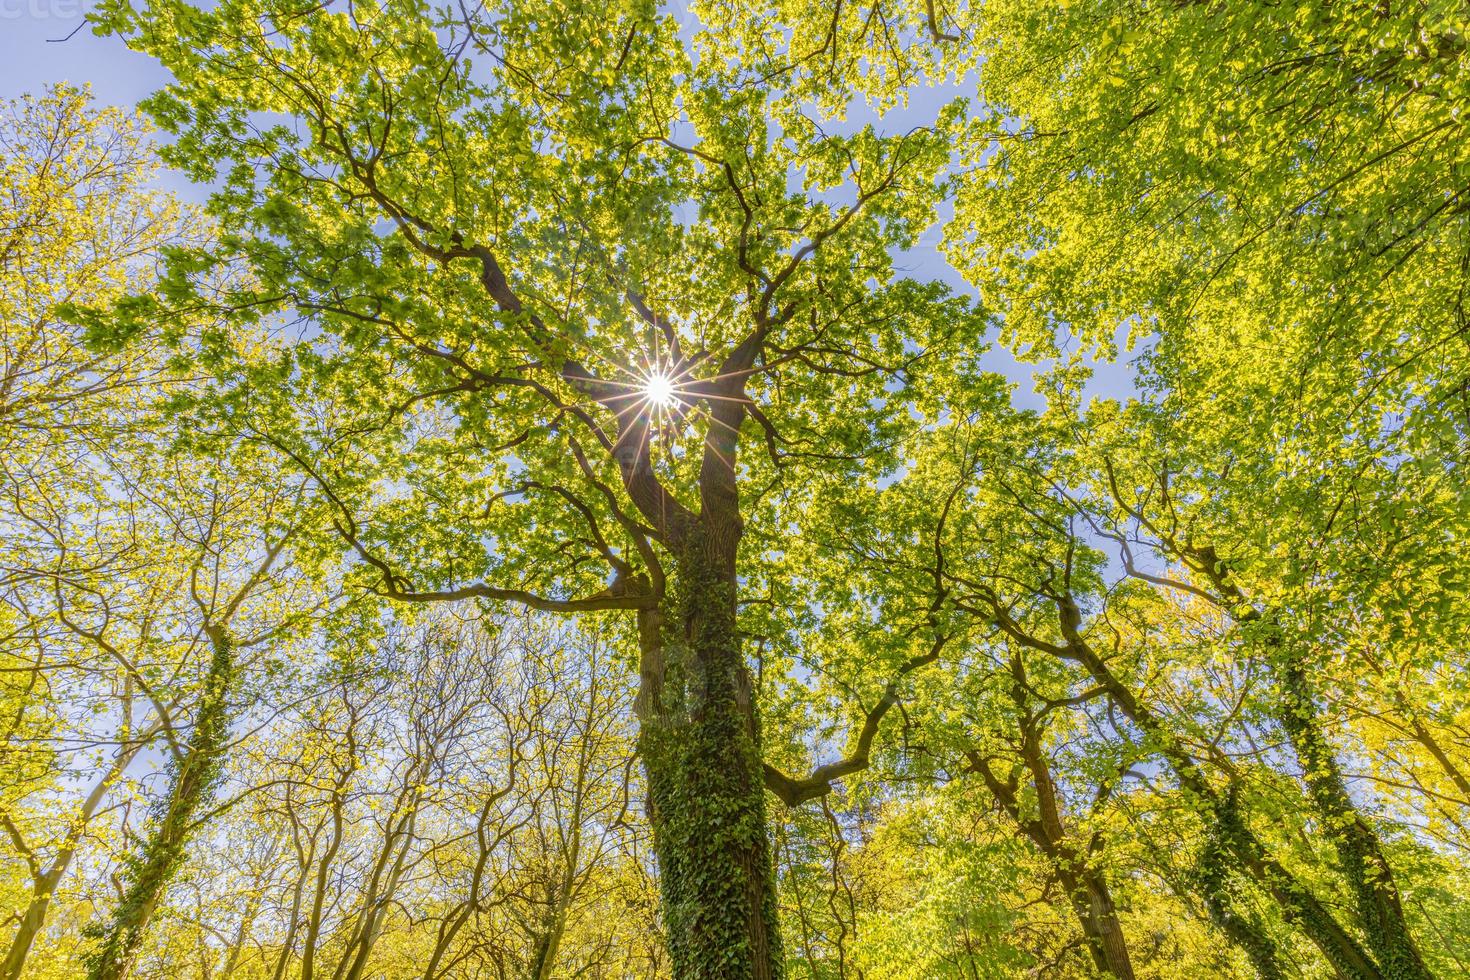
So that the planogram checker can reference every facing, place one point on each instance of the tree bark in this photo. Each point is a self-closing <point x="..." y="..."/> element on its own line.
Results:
<point x="1359" y="851"/>
<point x="150" y="873"/>
<point x="1106" y="930"/>
<point x="44" y="883"/>
<point x="699" y="742"/>
<point x="1086" y="889"/>
<point x="1211" y="879"/>
<point x="26" y="931"/>
<point x="1296" y="901"/>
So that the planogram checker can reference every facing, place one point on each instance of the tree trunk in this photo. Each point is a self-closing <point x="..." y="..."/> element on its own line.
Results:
<point x="543" y="961"/>
<point x="1211" y="879"/>
<point x="1087" y="890"/>
<point x="26" y="931"/>
<point x="319" y="892"/>
<point x="1424" y="737"/>
<point x="1102" y="926"/>
<point x="45" y="883"/>
<point x="1360" y="854"/>
<point x="565" y="887"/>
<point x="1359" y="851"/>
<point x="1085" y="885"/>
<point x="699" y="742"/>
<point x="1296" y="901"/>
<point x="150" y="873"/>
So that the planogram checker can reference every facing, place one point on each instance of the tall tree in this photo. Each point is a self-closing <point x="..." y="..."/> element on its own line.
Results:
<point x="249" y="525"/>
<point x="568" y="286"/>
<point x="1006" y="545"/>
<point x="81" y="225"/>
<point x="1276" y="198"/>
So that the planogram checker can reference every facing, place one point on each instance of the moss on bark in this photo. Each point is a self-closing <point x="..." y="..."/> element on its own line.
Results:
<point x="701" y="752"/>
<point x="149" y="872"/>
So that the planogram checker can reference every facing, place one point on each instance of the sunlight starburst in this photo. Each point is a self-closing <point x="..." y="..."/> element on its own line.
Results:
<point x="658" y="388"/>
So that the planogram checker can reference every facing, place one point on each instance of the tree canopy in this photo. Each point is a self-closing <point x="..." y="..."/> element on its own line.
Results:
<point x="568" y="502"/>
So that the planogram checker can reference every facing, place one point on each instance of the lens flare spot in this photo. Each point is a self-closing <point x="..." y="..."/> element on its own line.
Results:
<point x="658" y="388"/>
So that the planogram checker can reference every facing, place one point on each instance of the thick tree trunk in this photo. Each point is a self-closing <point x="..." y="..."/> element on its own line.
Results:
<point x="1093" y="905"/>
<point x="1107" y="927"/>
<point x="700" y="747"/>
<point x="150" y="873"/>
<point x="1244" y="932"/>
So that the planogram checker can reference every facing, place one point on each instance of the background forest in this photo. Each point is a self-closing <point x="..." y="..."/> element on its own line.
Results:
<point x="772" y="488"/>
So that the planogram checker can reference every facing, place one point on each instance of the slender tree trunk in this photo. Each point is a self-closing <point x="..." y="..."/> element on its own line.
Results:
<point x="566" y="886"/>
<point x="304" y="860"/>
<point x="1085" y="885"/>
<point x="33" y="919"/>
<point x="1360" y="853"/>
<point x="1424" y="737"/>
<point x="1296" y="901"/>
<point x="29" y="927"/>
<point x="699" y="742"/>
<point x="150" y="873"/>
<point x="44" y="884"/>
<point x="382" y="888"/>
<point x="1086" y="888"/>
<point x="323" y="871"/>
<point x="390" y="863"/>
<point x="466" y="910"/>
<point x="237" y="947"/>
<point x="1087" y="891"/>
<point x="1359" y="850"/>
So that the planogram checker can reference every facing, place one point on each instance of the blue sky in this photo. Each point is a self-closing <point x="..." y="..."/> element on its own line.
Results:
<point x="30" y="58"/>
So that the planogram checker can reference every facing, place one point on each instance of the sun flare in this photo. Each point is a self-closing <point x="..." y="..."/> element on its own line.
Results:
<point x="658" y="388"/>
